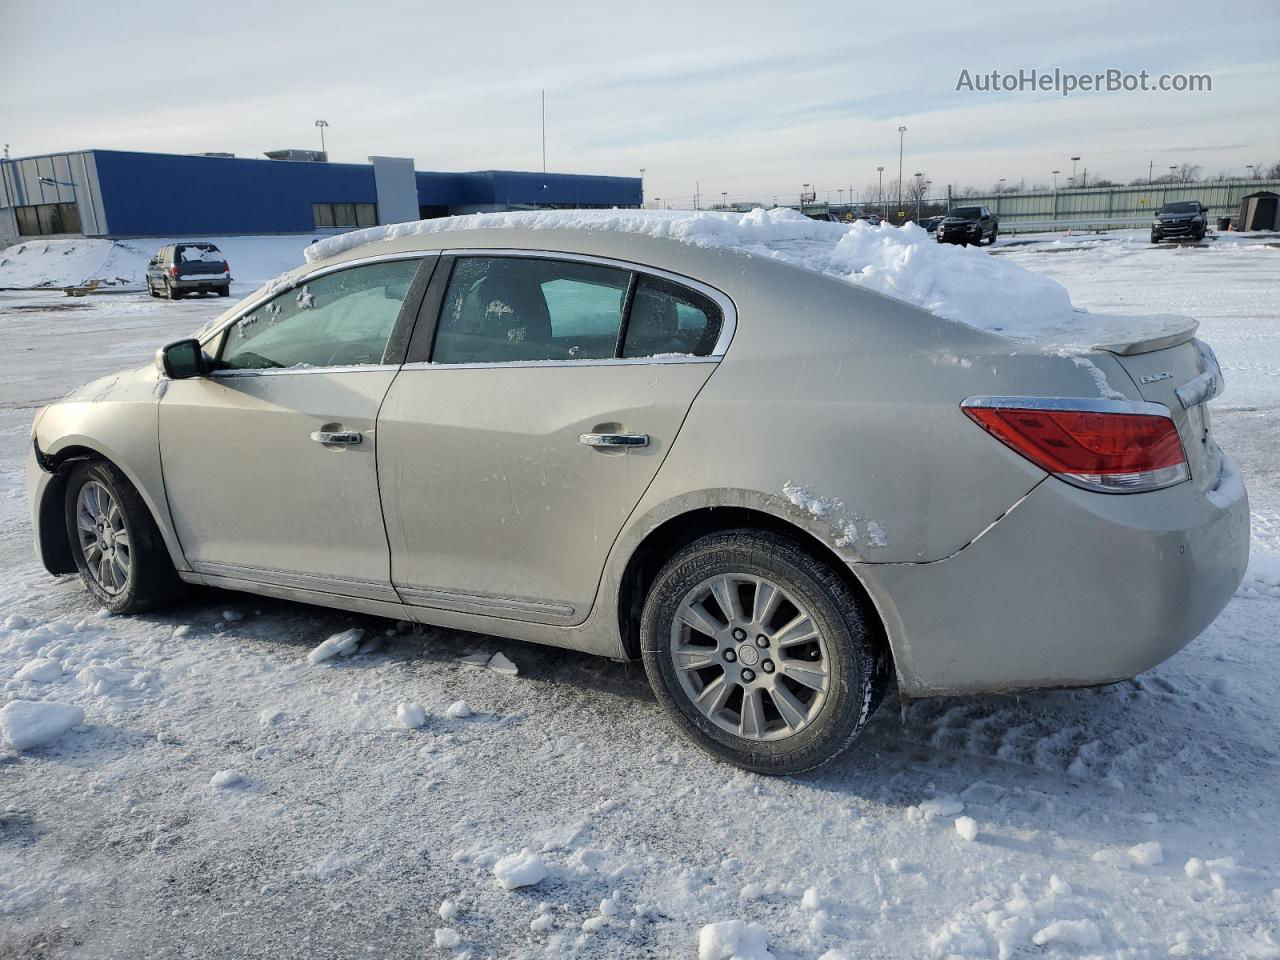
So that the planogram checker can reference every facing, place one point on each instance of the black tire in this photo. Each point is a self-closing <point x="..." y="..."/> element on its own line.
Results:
<point x="1154" y="238"/>
<point x="152" y="581"/>
<point x="224" y="290"/>
<point x="995" y="232"/>
<point x="171" y="291"/>
<point x="857" y="660"/>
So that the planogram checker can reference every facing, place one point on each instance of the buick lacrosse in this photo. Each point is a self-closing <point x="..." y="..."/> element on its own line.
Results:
<point x="725" y="446"/>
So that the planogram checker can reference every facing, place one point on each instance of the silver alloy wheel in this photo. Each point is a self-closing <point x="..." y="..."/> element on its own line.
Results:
<point x="104" y="539"/>
<point x="749" y="657"/>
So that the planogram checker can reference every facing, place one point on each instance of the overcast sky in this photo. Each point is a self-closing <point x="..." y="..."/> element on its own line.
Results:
<point x="748" y="98"/>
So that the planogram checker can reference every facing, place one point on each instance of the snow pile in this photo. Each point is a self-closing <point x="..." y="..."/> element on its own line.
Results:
<point x="959" y="283"/>
<point x="411" y="715"/>
<point x="26" y="723"/>
<point x="733" y="940"/>
<point x="225" y="779"/>
<point x="458" y="710"/>
<point x="40" y="670"/>
<point x="523" y="869"/>
<point x="967" y="828"/>
<point x="339" y="645"/>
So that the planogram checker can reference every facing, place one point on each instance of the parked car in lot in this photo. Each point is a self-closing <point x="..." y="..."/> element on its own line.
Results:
<point x="966" y="225"/>
<point x="776" y="489"/>
<point x="181" y="268"/>
<point x="1180" y="220"/>
<point x="931" y="223"/>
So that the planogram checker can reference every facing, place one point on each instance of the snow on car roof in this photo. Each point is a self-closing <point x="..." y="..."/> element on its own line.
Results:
<point x="964" y="284"/>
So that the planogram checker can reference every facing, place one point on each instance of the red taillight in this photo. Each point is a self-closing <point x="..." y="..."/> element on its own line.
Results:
<point x="173" y="271"/>
<point x="1117" y="452"/>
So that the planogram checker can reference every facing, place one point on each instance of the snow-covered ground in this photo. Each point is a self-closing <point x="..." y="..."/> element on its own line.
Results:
<point x="226" y="795"/>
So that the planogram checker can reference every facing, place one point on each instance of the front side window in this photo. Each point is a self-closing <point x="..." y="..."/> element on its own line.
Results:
<point x="339" y="319"/>
<point x="505" y="309"/>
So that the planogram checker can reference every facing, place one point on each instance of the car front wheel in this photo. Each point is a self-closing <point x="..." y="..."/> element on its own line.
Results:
<point x="761" y="653"/>
<point x="117" y="546"/>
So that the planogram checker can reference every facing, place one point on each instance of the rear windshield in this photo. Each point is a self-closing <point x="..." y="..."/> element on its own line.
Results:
<point x="199" y="253"/>
<point x="1182" y="206"/>
<point x="966" y="213"/>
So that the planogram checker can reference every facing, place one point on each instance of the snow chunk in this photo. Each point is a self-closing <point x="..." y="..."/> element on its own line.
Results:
<point x="1148" y="854"/>
<point x="447" y="938"/>
<point x="27" y="723"/>
<point x="733" y="940"/>
<point x="500" y="664"/>
<point x="232" y="616"/>
<point x="906" y="263"/>
<point x="225" y="779"/>
<point x="339" y="645"/>
<point x="40" y="671"/>
<point x="541" y="923"/>
<point x="940" y="807"/>
<point x="448" y="911"/>
<point x="523" y="869"/>
<point x="1077" y="933"/>
<point x="458" y="710"/>
<point x="411" y="715"/>
<point x="967" y="827"/>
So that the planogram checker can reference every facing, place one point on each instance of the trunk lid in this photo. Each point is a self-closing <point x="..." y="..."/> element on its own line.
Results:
<point x="1175" y="369"/>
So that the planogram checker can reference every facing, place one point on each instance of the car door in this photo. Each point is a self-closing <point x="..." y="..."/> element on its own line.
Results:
<point x="528" y="423"/>
<point x="270" y="461"/>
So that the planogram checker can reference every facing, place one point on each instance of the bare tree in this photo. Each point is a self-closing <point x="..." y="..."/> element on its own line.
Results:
<point x="1273" y="171"/>
<point x="1188" y="172"/>
<point x="916" y="188"/>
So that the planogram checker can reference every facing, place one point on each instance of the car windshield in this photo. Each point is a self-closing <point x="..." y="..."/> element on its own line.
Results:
<point x="966" y="213"/>
<point x="1182" y="206"/>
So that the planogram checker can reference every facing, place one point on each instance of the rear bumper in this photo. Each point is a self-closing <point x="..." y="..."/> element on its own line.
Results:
<point x="195" y="283"/>
<point x="1069" y="588"/>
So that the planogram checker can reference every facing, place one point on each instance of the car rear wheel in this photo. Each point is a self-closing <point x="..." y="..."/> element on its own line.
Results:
<point x="116" y="544"/>
<point x="761" y="653"/>
<point x="224" y="290"/>
<point x="172" y="292"/>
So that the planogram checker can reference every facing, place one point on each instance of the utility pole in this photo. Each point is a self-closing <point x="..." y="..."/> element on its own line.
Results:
<point x="544" y="131"/>
<point x="1055" y="180"/>
<point x="1084" y="178"/>
<point x="1073" y="170"/>
<point x="697" y="194"/>
<point x="1150" y="164"/>
<point x="724" y="199"/>
<point x="880" y="190"/>
<point x="901" y="132"/>
<point x="641" y="187"/>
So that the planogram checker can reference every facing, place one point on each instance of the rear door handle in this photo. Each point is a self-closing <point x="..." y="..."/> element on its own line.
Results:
<point x="614" y="439"/>
<point x="341" y="436"/>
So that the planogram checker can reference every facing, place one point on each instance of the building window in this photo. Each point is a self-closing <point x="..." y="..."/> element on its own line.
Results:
<point x="45" y="219"/>
<point x="345" y="214"/>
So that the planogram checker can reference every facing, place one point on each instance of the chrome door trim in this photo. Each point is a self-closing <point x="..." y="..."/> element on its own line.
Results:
<point x="487" y="604"/>
<point x="728" y="309"/>
<point x="346" y="586"/>
<point x="274" y="288"/>
<point x="602" y="362"/>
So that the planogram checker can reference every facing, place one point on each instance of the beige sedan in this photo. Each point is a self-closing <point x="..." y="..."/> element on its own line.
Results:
<point x="770" y="485"/>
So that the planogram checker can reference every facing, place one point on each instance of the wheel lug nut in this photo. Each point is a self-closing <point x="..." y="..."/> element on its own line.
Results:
<point x="730" y="656"/>
<point x="762" y="641"/>
<point x="767" y="666"/>
<point x="748" y="676"/>
<point x="739" y="633"/>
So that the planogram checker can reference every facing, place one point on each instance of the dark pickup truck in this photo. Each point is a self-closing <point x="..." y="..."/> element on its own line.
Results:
<point x="1180" y="220"/>
<point x="966" y="225"/>
<point x="182" y="268"/>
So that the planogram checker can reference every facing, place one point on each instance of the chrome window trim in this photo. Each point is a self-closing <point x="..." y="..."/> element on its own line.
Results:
<point x="599" y="362"/>
<point x="1077" y="404"/>
<point x="728" y="309"/>
<point x="281" y="371"/>
<point x="206" y="336"/>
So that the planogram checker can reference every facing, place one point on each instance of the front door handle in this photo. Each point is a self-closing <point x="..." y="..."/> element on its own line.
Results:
<point x="614" y="439"/>
<point x="342" y="436"/>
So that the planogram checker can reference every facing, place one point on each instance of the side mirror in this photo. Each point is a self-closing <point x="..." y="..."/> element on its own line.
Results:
<point x="182" y="360"/>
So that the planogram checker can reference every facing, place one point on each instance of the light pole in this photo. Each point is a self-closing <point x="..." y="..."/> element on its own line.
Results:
<point x="919" y="192"/>
<point x="1073" y="169"/>
<point x="642" y="188"/>
<point x="1173" y="169"/>
<point x="322" y="124"/>
<point x="901" y="132"/>
<point x="1055" y="180"/>
<point x="880" y="191"/>
<point x="1253" y="175"/>
<point x="724" y="199"/>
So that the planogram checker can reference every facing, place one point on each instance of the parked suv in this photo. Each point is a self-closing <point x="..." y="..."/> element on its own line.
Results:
<point x="1179" y="219"/>
<point x="182" y="268"/>
<point x="966" y="225"/>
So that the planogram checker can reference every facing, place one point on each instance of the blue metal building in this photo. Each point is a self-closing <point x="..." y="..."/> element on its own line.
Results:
<point x="114" y="193"/>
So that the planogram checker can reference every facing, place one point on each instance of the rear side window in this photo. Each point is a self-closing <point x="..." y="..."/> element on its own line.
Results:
<point x="507" y="309"/>
<point x="668" y="319"/>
